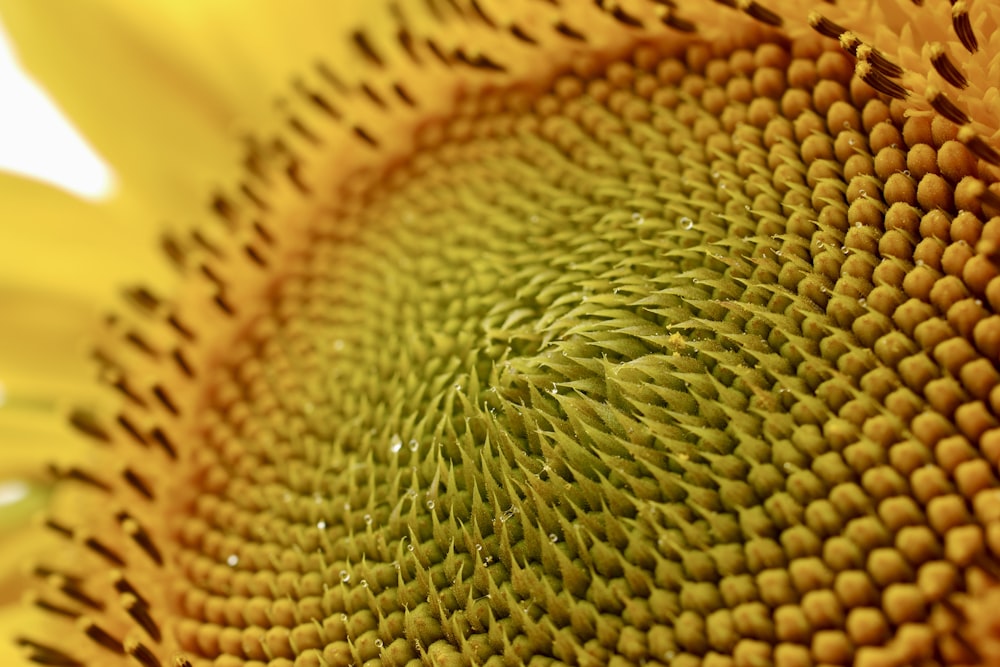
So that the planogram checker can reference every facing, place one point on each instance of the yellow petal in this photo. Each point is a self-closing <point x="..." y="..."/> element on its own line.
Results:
<point x="13" y="621"/>
<point x="63" y="263"/>
<point x="16" y="619"/>
<point x="164" y="89"/>
<point x="158" y="123"/>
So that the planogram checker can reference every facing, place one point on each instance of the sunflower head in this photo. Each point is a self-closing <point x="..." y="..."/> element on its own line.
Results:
<point x="568" y="333"/>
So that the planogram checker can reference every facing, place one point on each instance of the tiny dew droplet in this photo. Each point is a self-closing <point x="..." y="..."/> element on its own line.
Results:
<point x="345" y="576"/>
<point x="414" y="445"/>
<point x="687" y="223"/>
<point x="553" y="538"/>
<point x="368" y="519"/>
<point x="430" y="504"/>
<point x="232" y="560"/>
<point x="378" y="642"/>
<point x="395" y="443"/>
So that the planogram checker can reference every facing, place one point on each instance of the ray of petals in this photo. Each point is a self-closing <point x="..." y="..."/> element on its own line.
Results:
<point x="166" y="89"/>
<point x="39" y="141"/>
<point x="62" y="263"/>
<point x="143" y="110"/>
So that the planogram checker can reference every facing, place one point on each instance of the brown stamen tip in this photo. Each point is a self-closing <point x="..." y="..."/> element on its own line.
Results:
<point x="963" y="26"/>
<point x="182" y="362"/>
<point x="294" y="174"/>
<point x="254" y="255"/>
<point x="141" y="537"/>
<point x="86" y="422"/>
<point x="144" y="300"/>
<point x="100" y="636"/>
<point x="179" y="327"/>
<point x="438" y="53"/>
<point x="140" y="614"/>
<point x="141" y="653"/>
<point x="979" y="190"/>
<point x="125" y="389"/>
<point x="946" y="68"/>
<point x="209" y="273"/>
<point x="945" y="106"/>
<point x="220" y="301"/>
<point x="164" y="442"/>
<point x="671" y="20"/>
<point x="52" y="607"/>
<point x="137" y="483"/>
<point x="71" y="589"/>
<point x="521" y="35"/>
<point x="263" y="232"/>
<point x="102" y="550"/>
<point x="317" y="101"/>
<point x="761" y="13"/>
<point x="880" y="82"/>
<point x="364" y="135"/>
<point x="850" y="42"/>
<point x="624" y="18"/>
<point x="300" y="128"/>
<point x="164" y="398"/>
<point x="979" y="147"/>
<point x="46" y="655"/>
<point x="130" y="428"/>
<point x="135" y="339"/>
<point x="365" y="47"/>
<point x="825" y="26"/>
<point x="569" y="32"/>
<point x="57" y="527"/>
<point x="881" y="64"/>
<point x="484" y="17"/>
<point x="373" y="96"/>
<point x="479" y="61"/>
<point x="205" y="244"/>
<point x="172" y="248"/>
<point x="224" y="209"/>
<point x="403" y="95"/>
<point x="405" y="40"/>
<point x="78" y="475"/>
<point x="122" y="585"/>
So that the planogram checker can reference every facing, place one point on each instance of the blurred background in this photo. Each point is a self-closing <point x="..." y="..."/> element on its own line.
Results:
<point x="38" y="141"/>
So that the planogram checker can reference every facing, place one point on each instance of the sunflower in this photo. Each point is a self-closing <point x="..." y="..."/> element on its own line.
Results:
<point x="531" y="332"/>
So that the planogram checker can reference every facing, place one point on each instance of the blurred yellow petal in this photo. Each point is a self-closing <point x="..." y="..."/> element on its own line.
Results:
<point x="33" y="132"/>
<point x="23" y="541"/>
<point x="163" y="90"/>
<point x="12" y="617"/>
<point x="63" y="262"/>
<point x="143" y="111"/>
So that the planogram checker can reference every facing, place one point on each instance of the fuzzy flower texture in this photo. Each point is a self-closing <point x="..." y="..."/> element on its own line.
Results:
<point x="549" y="332"/>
